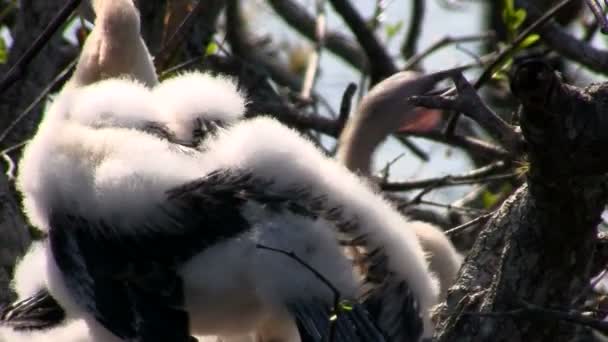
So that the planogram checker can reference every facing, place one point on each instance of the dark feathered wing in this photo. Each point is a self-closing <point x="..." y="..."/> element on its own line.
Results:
<point x="119" y="275"/>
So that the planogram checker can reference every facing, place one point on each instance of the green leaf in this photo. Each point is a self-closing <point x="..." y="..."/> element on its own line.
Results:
<point x="392" y="30"/>
<point x="211" y="48"/>
<point x="345" y="305"/>
<point x="489" y="199"/>
<point x="3" y="51"/>
<point x="531" y="39"/>
<point x="512" y="18"/>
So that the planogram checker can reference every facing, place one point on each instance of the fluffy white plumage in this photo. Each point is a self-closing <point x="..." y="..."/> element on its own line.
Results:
<point x="194" y="95"/>
<point x="110" y="172"/>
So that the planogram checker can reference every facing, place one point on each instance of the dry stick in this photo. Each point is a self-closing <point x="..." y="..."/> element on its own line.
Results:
<point x="61" y="77"/>
<point x="315" y="58"/>
<point x="502" y="57"/>
<point x="458" y="229"/>
<point x="475" y="176"/>
<point x="445" y="41"/>
<point x="17" y="70"/>
<point x="472" y="145"/>
<point x="452" y="207"/>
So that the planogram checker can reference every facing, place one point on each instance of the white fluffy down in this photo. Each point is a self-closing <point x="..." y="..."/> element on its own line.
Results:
<point x="123" y="174"/>
<point x="276" y="152"/>
<point x="193" y="95"/>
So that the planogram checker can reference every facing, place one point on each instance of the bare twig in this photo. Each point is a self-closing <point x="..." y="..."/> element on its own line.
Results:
<point x="445" y="41"/>
<point x="479" y="220"/>
<point x="473" y="146"/>
<point x="18" y="69"/>
<point x="417" y="151"/>
<point x="315" y="57"/>
<point x="60" y="78"/>
<point x="334" y="290"/>
<point x="482" y="174"/>
<point x="451" y="207"/>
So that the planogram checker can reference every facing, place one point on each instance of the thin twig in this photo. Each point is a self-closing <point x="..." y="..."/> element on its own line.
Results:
<point x="334" y="290"/>
<point x="479" y="220"/>
<point x="61" y="77"/>
<point x="451" y="207"/>
<point x="445" y="41"/>
<point x="315" y="58"/>
<point x="19" y="67"/>
<point x="482" y="174"/>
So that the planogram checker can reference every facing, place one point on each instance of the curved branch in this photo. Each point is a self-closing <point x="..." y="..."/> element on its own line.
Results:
<point x="381" y="64"/>
<point x="340" y="45"/>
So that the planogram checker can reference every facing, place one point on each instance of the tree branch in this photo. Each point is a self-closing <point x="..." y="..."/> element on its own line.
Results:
<point x="342" y="46"/>
<point x="381" y="64"/>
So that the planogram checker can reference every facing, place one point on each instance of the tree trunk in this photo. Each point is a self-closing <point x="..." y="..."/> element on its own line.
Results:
<point x="537" y="250"/>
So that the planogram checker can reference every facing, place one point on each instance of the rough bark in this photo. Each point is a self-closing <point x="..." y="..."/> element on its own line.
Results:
<point x="538" y="248"/>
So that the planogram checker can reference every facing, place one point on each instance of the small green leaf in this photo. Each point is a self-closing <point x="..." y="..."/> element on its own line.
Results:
<point x="489" y="199"/>
<point x="346" y="305"/>
<point x="512" y="18"/>
<point x="531" y="39"/>
<point x="392" y="29"/>
<point x="500" y="75"/>
<point x="211" y="49"/>
<point x="3" y="51"/>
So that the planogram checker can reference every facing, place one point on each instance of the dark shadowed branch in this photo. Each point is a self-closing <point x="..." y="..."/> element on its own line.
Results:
<point x="381" y="65"/>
